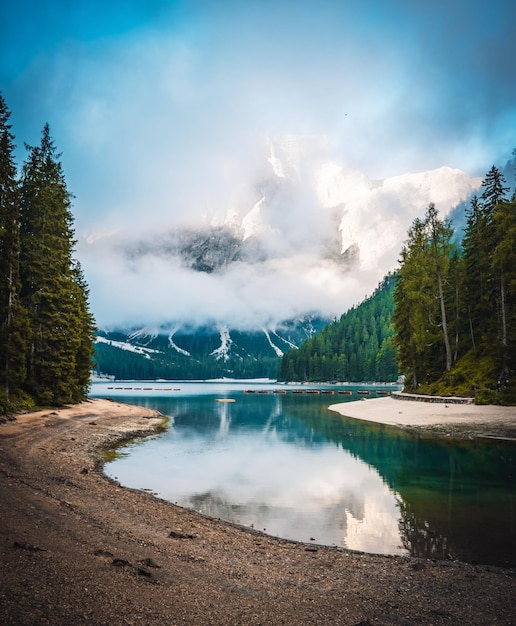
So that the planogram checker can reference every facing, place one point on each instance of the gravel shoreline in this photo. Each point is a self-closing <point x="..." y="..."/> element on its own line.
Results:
<point x="77" y="548"/>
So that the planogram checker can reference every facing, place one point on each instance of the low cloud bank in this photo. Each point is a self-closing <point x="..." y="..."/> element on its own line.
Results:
<point x="308" y="237"/>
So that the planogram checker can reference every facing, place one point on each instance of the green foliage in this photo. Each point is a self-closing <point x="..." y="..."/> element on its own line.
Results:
<point x="424" y="301"/>
<point x="85" y="329"/>
<point x="356" y="348"/>
<point x="168" y="364"/>
<point x="455" y="316"/>
<point x="13" y="317"/>
<point x="195" y="352"/>
<point x="46" y="329"/>
<point x="486" y="396"/>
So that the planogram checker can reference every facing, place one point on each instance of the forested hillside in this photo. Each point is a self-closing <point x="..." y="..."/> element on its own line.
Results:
<point x="446" y="320"/>
<point x="356" y="348"/>
<point x="455" y="316"/>
<point x="200" y="352"/>
<point x="46" y="329"/>
<point x="163" y="362"/>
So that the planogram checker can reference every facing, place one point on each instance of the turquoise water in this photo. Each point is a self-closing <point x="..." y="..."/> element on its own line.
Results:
<point x="284" y="464"/>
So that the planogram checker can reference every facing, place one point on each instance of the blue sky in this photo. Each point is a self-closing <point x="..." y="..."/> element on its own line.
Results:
<point x="180" y="89"/>
<point x="160" y="107"/>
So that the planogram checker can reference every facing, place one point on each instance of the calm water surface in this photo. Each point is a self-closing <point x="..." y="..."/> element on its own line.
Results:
<point x="285" y="464"/>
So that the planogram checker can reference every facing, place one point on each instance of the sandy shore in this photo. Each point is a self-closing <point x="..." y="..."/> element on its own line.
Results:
<point x="460" y="420"/>
<point x="78" y="549"/>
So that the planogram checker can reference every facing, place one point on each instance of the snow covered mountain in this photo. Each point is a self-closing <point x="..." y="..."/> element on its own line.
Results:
<point x="185" y="352"/>
<point x="311" y="210"/>
<point x="304" y="236"/>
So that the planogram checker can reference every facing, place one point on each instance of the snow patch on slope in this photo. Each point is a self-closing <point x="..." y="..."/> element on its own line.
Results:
<point x="144" y="334"/>
<point x="222" y="352"/>
<point x="174" y="346"/>
<point x="129" y="347"/>
<point x="273" y="346"/>
<point x="285" y="340"/>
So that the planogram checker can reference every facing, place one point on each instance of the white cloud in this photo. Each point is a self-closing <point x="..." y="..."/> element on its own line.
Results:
<point x="160" y="114"/>
<point x="302" y="226"/>
<point x="323" y="489"/>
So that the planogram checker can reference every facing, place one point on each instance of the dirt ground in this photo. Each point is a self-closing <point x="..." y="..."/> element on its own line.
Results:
<point x="77" y="548"/>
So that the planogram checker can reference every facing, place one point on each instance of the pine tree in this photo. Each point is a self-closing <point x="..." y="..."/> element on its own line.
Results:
<point x="479" y="289"/>
<point x="52" y="289"/>
<point x="414" y="307"/>
<point x="504" y="267"/>
<point x="477" y="305"/>
<point x="440" y="234"/>
<point x="13" y="318"/>
<point x="85" y="351"/>
<point x="423" y="299"/>
<point x="493" y="200"/>
<point x="495" y="190"/>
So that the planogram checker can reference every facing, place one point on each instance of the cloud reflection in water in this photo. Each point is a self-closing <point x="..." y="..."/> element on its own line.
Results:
<point x="253" y="475"/>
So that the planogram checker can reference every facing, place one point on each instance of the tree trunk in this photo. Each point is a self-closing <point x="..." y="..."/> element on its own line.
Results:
<point x="503" y="306"/>
<point x="471" y="331"/>
<point x="444" y="323"/>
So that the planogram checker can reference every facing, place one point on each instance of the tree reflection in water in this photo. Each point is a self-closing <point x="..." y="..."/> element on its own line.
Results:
<point x="456" y="498"/>
<point x="446" y="499"/>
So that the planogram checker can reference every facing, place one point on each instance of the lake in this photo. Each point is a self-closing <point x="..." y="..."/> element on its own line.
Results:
<point x="273" y="457"/>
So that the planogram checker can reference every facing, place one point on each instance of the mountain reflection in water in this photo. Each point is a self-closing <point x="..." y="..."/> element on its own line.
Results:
<point x="287" y="465"/>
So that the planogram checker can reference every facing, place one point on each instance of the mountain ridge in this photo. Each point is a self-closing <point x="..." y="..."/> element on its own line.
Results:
<point x="212" y="351"/>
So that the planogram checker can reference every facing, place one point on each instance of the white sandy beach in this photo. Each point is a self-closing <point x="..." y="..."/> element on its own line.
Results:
<point x="395" y="412"/>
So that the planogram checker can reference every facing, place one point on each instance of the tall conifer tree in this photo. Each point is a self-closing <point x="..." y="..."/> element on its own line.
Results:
<point x="51" y="290"/>
<point x="495" y="190"/>
<point x="504" y="268"/>
<point x="494" y="200"/>
<point x="475" y="295"/>
<point x="415" y="307"/>
<point x="423" y="300"/>
<point x="86" y="333"/>
<point x="440" y="234"/>
<point x="13" y="318"/>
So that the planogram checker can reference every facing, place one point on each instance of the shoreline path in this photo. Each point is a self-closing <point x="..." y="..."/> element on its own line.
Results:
<point x="77" y="548"/>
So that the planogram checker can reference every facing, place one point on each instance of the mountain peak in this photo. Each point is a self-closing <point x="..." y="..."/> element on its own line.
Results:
<point x="308" y="234"/>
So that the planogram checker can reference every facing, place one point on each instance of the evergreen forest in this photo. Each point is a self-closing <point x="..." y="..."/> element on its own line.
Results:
<point x="46" y="329"/>
<point x="356" y="348"/>
<point x="252" y="359"/>
<point x="446" y="320"/>
<point x="455" y="303"/>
